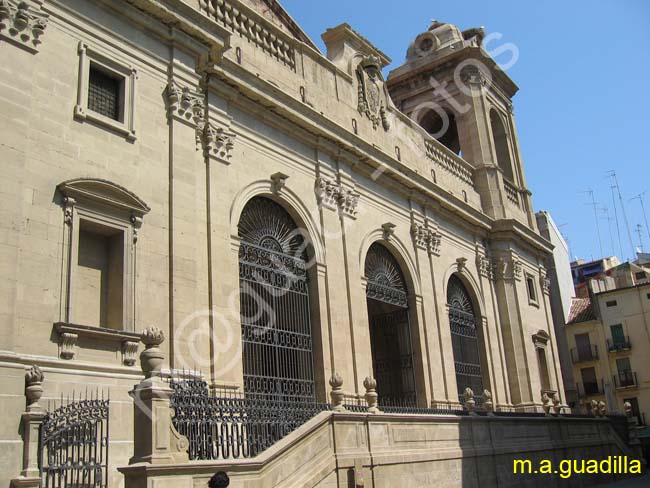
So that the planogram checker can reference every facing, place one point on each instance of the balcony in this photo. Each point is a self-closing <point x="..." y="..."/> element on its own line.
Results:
<point x="625" y="379"/>
<point x="582" y="355"/>
<point x="619" y="344"/>
<point x="589" y="388"/>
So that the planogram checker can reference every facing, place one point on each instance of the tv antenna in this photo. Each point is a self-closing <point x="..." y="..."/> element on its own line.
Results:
<point x="639" y="197"/>
<point x="595" y="207"/>
<point x="612" y="174"/>
<point x="639" y="231"/>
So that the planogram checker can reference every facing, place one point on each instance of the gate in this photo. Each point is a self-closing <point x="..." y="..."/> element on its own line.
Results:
<point x="73" y="445"/>
<point x="275" y="314"/>
<point x="390" y="335"/>
<point x="464" y="340"/>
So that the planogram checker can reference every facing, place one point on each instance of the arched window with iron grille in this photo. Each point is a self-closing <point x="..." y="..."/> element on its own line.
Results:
<point x="390" y="336"/>
<point x="464" y="340"/>
<point x="275" y="311"/>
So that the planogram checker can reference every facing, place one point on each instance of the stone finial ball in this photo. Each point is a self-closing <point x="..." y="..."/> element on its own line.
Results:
<point x="370" y="383"/>
<point x="336" y="381"/>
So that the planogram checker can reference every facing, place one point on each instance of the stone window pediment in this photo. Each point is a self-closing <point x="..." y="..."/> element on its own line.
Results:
<point x="103" y="192"/>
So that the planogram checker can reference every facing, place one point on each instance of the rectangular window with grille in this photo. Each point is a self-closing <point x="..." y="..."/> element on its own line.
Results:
<point x="105" y="93"/>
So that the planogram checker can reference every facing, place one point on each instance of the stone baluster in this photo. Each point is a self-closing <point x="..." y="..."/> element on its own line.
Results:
<point x="594" y="408"/>
<point x="370" y="384"/>
<point x="31" y="421"/>
<point x="546" y="403"/>
<point x="337" y="395"/>
<point x="156" y="439"/>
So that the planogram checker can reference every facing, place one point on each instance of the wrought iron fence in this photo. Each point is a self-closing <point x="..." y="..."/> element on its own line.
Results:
<point x="232" y="425"/>
<point x="73" y="445"/>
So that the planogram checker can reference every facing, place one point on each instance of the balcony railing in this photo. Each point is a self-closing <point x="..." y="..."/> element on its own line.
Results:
<point x="589" y="388"/>
<point x="582" y="355"/>
<point x="619" y="345"/>
<point x="625" y="379"/>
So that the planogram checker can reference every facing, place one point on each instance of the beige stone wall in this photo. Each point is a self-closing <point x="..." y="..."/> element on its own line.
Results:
<point x="182" y="274"/>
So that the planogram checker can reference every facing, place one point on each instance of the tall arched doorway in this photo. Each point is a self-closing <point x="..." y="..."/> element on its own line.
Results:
<point x="274" y="297"/>
<point x="465" y="340"/>
<point x="390" y="336"/>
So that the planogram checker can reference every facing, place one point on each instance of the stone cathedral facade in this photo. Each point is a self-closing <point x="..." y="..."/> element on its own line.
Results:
<point x="282" y="214"/>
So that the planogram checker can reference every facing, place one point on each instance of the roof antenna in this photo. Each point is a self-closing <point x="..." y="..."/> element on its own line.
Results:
<point x="612" y="174"/>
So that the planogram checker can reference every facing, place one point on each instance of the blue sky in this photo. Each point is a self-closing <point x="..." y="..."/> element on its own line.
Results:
<point x="583" y="107"/>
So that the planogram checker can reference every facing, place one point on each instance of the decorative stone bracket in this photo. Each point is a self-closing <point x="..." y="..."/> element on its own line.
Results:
<point x="278" y="182"/>
<point x="333" y="195"/>
<point x="23" y="22"/>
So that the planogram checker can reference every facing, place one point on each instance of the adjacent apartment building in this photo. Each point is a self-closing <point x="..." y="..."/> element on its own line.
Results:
<point x="608" y="334"/>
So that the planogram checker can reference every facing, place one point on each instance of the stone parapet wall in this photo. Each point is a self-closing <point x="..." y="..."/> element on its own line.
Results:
<point x="337" y="449"/>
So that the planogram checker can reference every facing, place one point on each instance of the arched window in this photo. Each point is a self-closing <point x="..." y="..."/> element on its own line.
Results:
<point x="275" y="312"/>
<point x="501" y="145"/>
<point x="442" y="126"/>
<point x="464" y="339"/>
<point x="390" y="336"/>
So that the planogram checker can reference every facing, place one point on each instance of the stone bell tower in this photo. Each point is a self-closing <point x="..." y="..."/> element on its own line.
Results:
<point x="455" y="90"/>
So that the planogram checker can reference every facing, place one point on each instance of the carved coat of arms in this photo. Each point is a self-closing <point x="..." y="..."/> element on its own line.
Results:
<point x="372" y="99"/>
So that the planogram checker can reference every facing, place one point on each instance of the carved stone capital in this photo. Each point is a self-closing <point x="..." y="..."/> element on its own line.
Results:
<point x="23" y="23"/>
<point x="484" y="264"/>
<point x="217" y="142"/>
<point x="426" y="238"/>
<point x="184" y="104"/>
<point x="333" y="195"/>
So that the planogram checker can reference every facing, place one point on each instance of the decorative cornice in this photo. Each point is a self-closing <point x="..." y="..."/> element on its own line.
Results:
<point x="23" y="22"/>
<point x="333" y="195"/>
